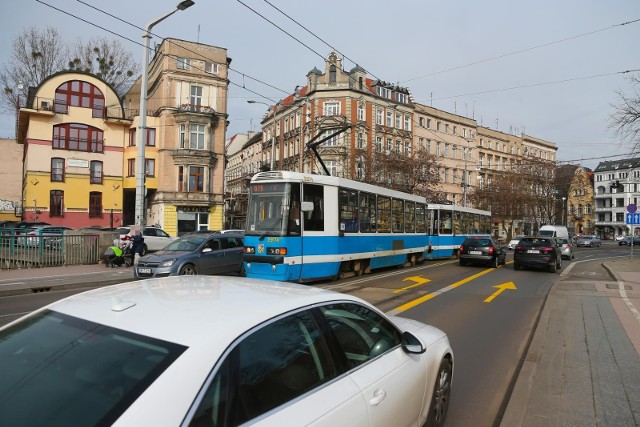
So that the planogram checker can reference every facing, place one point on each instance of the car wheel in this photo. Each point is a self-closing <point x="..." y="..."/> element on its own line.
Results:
<point x="559" y="265"/>
<point x="517" y="266"/>
<point x="553" y="267"/>
<point x="441" y="394"/>
<point x="188" y="269"/>
<point x="462" y="263"/>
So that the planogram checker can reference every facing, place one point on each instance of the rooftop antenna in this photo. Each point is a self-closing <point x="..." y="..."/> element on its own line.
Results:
<point x="431" y="102"/>
<point x="473" y="111"/>
<point x="198" y="39"/>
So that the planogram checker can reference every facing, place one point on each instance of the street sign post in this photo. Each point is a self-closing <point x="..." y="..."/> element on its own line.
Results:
<point x="632" y="218"/>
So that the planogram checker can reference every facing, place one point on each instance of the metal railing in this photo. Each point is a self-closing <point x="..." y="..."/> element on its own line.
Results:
<point x="46" y="251"/>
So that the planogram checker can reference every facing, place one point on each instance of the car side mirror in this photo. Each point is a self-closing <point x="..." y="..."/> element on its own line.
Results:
<point x="411" y="344"/>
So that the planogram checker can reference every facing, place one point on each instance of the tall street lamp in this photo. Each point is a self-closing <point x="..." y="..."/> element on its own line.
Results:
<point x="142" y="127"/>
<point x="275" y="124"/>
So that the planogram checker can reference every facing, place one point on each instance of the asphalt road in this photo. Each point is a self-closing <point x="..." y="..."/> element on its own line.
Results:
<point x="489" y="325"/>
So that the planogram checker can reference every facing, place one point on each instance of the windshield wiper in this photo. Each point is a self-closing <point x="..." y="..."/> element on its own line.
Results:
<point x="271" y="227"/>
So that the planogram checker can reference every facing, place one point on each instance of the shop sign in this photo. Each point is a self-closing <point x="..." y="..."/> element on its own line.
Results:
<point x="194" y="209"/>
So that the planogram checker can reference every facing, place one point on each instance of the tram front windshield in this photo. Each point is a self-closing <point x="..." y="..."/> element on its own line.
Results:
<point x="269" y="211"/>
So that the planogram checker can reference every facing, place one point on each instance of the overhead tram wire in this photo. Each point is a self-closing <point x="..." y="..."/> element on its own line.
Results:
<point x="316" y="36"/>
<point x="187" y="49"/>
<point x="522" y="50"/>
<point x="537" y="84"/>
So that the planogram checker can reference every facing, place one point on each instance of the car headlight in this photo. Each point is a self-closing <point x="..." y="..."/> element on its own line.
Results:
<point x="168" y="263"/>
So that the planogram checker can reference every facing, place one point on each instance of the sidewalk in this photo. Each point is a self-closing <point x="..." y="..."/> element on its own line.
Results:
<point x="583" y="365"/>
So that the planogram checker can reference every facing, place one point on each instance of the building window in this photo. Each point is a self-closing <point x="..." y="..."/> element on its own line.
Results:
<point x="389" y="118"/>
<point x="95" y="172"/>
<point x="332" y="167"/>
<point x="331" y="142"/>
<point x="150" y="167"/>
<point x="398" y="120"/>
<point x="132" y="137"/>
<point x="131" y="167"/>
<point x="360" y="83"/>
<point x="210" y="67"/>
<point x="379" y="114"/>
<point x="378" y="143"/>
<point x="95" y="204"/>
<point x="57" y="169"/>
<point x="438" y="126"/>
<point x="361" y="115"/>
<point x="181" y="178"/>
<point x="331" y="108"/>
<point x="183" y="63"/>
<point x="151" y="137"/>
<point x="407" y="148"/>
<point x="56" y="202"/>
<point x="196" y="138"/>
<point x="407" y="122"/>
<point x="195" y="99"/>
<point x="196" y="178"/>
<point x="361" y="143"/>
<point x="77" y="137"/>
<point x="428" y="123"/>
<point x="401" y="97"/>
<point x="77" y="93"/>
<point x="332" y="74"/>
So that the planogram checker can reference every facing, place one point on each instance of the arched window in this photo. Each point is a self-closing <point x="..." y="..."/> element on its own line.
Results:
<point x="77" y="137"/>
<point x="77" y="93"/>
<point x="332" y="74"/>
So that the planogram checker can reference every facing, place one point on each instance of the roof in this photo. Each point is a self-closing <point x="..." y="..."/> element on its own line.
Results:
<point x="205" y="312"/>
<point x="618" y="164"/>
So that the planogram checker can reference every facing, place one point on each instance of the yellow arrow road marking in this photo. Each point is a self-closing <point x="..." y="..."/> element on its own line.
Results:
<point x="419" y="280"/>
<point x="427" y="297"/>
<point x="501" y="288"/>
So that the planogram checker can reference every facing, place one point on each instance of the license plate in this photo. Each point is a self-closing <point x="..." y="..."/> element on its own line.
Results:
<point x="144" y="271"/>
<point x="533" y="251"/>
<point x="475" y="253"/>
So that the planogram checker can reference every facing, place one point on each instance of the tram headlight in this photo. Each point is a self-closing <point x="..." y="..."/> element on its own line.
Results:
<point x="249" y="250"/>
<point x="276" y="251"/>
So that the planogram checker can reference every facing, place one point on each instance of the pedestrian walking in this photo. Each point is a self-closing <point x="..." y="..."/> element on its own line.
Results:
<point x="137" y="245"/>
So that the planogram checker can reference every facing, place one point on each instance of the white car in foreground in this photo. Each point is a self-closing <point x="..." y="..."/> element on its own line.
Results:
<point x="221" y="351"/>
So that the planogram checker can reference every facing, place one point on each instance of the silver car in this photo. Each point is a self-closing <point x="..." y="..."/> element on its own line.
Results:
<point x="567" y="249"/>
<point x="590" y="241"/>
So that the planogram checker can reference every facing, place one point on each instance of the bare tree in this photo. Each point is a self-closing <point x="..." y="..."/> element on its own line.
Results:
<point x="36" y="54"/>
<point x="416" y="173"/>
<point x="106" y="59"/>
<point x="626" y="116"/>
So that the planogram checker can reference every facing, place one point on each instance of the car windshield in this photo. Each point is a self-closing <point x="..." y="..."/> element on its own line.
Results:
<point x="534" y="242"/>
<point x="477" y="242"/>
<point x="189" y="243"/>
<point x="61" y="370"/>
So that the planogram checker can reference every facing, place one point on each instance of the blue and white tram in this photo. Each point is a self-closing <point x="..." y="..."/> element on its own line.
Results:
<point x="304" y="227"/>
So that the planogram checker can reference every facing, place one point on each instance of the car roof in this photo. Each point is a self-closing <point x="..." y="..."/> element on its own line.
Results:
<point x="205" y="312"/>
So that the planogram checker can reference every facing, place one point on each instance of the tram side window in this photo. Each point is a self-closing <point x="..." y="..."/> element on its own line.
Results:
<point x="367" y="212"/>
<point x="409" y="217"/>
<point x="445" y="223"/>
<point x="398" y="215"/>
<point x="384" y="214"/>
<point x="420" y="223"/>
<point x="314" y="220"/>
<point x="431" y="220"/>
<point x="348" y="210"/>
<point x="457" y="222"/>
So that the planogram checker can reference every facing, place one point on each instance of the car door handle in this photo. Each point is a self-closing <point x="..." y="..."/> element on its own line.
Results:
<point x="378" y="397"/>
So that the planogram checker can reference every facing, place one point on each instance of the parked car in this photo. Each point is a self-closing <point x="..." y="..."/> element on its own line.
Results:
<point x="628" y="241"/>
<point x="221" y="351"/>
<point x="213" y="253"/>
<point x="537" y="252"/>
<point x="51" y="236"/>
<point x="589" y="241"/>
<point x="566" y="249"/>
<point x="513" y="242"/>
<point x="154" y="238"/>
<point x="482" y="249"/>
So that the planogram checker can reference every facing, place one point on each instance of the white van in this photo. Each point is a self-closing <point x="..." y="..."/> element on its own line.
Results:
<point x="558" y="231"/>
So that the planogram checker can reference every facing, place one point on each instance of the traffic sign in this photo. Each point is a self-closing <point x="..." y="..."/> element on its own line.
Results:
<point x="631" y="208"/>
<point x="632" y="218"/>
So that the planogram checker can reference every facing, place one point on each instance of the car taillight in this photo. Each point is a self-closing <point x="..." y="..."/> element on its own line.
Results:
<point x="461" y="249"/>
<point x="491" y="250"/>
<point x="546" y="249"/>
<point x="519" y="248"/>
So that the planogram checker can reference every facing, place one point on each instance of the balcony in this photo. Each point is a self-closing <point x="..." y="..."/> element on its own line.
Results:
<point x="196" y="113"/>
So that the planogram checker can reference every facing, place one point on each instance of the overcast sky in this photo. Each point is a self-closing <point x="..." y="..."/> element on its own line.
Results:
<point x="458" y="56"/>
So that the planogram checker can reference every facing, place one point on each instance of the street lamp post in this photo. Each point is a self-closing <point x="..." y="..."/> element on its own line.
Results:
<point x="275" y="127"/>
<point x="142" y="127"/>
<point x="564" y="222"/>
